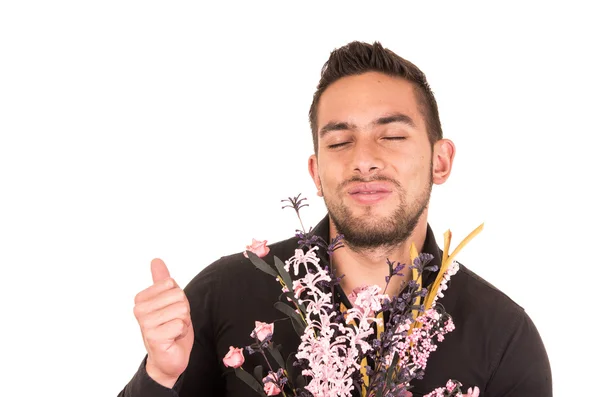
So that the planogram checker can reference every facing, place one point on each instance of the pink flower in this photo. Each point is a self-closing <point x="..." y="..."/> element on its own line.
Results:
<point x="439" y="392"/>
<point x="262" y="330"/>
<point x="474" y="392"/>
<point x="271" y="388"/>
<point x="354" y="293"/>
<point x="234" y="357"/>
<point x="366" y="298"/>
<point x="298" y="287"/>
<point x="258" y="247"/>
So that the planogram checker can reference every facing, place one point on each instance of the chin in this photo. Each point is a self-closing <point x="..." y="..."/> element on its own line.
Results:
<point x="378" y="210"/>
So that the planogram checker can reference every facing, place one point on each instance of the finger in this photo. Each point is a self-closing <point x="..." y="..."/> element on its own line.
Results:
<point x="185" y="331"/>
<point x="155" y="289"/>
<point x="179" y="310"/>
<point x="159" y="270"/>
<point x="171" y="331"/>
<point x="160" y="301"/>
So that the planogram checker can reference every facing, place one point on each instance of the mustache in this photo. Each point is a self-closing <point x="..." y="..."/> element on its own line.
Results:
<point x="379" y="178"/>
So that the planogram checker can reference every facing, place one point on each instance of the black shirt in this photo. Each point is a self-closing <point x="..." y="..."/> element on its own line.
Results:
<point x="495" y="345"/>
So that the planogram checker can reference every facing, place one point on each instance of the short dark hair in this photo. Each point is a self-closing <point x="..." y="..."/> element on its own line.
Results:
<point x="357" y="58"/>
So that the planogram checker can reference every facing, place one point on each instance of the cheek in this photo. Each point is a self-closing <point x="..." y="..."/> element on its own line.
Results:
<point x="414" y="173"/>
<point x="410" y="167"/>
<point x="331" y="185"/>
<point x="330" y="175"/>
<point x="328" y="183"/>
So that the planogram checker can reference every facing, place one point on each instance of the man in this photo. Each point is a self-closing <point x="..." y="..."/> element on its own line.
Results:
<point x="378" y="151"/>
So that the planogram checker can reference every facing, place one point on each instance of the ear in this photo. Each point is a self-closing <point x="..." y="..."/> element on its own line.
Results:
<point x="313" y="169"/>
<point x="443" y="157"/>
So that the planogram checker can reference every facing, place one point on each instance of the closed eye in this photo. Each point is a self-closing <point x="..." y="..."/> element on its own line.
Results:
<point x="337" y="145"/>
<point x="394" y="138"/>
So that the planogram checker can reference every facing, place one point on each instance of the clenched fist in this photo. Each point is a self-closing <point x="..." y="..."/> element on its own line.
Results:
<point x="163" y="312"/>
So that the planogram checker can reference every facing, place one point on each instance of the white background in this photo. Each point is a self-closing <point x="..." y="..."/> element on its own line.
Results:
<point x="134" y="130"/>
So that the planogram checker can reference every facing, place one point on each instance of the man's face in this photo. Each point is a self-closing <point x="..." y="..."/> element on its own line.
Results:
<point x="374" y="159"/>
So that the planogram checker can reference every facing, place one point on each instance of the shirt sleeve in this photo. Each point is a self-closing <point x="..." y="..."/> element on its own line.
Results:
<point x="523" y="368"/>
<point x="143" y="385"/>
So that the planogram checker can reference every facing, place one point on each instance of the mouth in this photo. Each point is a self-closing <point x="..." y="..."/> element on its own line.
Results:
<point x="370" y="192"/>
<point x="369" y="188"/>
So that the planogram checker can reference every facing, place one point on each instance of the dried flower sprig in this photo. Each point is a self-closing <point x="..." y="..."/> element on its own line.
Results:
<point x="296" y="203"/>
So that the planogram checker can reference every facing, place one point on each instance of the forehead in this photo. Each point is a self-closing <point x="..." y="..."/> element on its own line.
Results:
<point x="363" y="98"/>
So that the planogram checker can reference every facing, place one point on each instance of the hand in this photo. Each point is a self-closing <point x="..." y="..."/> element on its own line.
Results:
<point x="163" y="312"/>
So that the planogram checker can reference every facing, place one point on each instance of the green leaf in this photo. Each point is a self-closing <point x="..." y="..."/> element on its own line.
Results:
<point x="300" y="381"/>
<point x="295" y="378"/>
<point x="298" y="327"/>
<point x="276" y="355"/>
<point x="261" y="264"/>
<point x="289" y="363"/>
<point x="293" y="299"/>
<point x="284" y="274"/>
<point x="250" y="381"/>
<point x="258" y="373"/>
<point x="288" y="310"/>
<point x="390" y="372"/>
<point x="297" y="322"/>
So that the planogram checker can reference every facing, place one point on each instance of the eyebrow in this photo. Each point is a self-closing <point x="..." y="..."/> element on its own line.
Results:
<point x="341" y="126"/>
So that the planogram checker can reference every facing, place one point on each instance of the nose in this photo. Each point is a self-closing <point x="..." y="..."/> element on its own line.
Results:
<point x="367" y="159"/>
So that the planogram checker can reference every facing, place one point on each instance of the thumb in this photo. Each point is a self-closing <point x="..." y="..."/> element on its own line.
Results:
<point x="159" y="270"/>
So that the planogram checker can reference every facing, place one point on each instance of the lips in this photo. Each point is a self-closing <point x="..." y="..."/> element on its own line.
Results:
<point x="369" y="193"/>
<point x="369" y="188"/>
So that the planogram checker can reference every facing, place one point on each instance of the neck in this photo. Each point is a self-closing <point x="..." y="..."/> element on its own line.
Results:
<point x="362" y="267"/>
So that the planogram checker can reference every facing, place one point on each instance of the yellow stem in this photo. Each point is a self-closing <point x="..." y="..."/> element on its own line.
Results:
<point x="447" y="261"/>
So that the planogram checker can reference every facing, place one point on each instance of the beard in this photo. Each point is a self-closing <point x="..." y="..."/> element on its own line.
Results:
<point x="368" y="231"/>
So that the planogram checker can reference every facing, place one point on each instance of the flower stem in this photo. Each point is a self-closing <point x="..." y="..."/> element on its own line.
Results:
<point x="266" y="359"/>
<point x="300" y="219"/>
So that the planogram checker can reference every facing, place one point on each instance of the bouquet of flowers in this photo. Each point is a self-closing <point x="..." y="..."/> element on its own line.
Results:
<point x="357" y="348"/>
